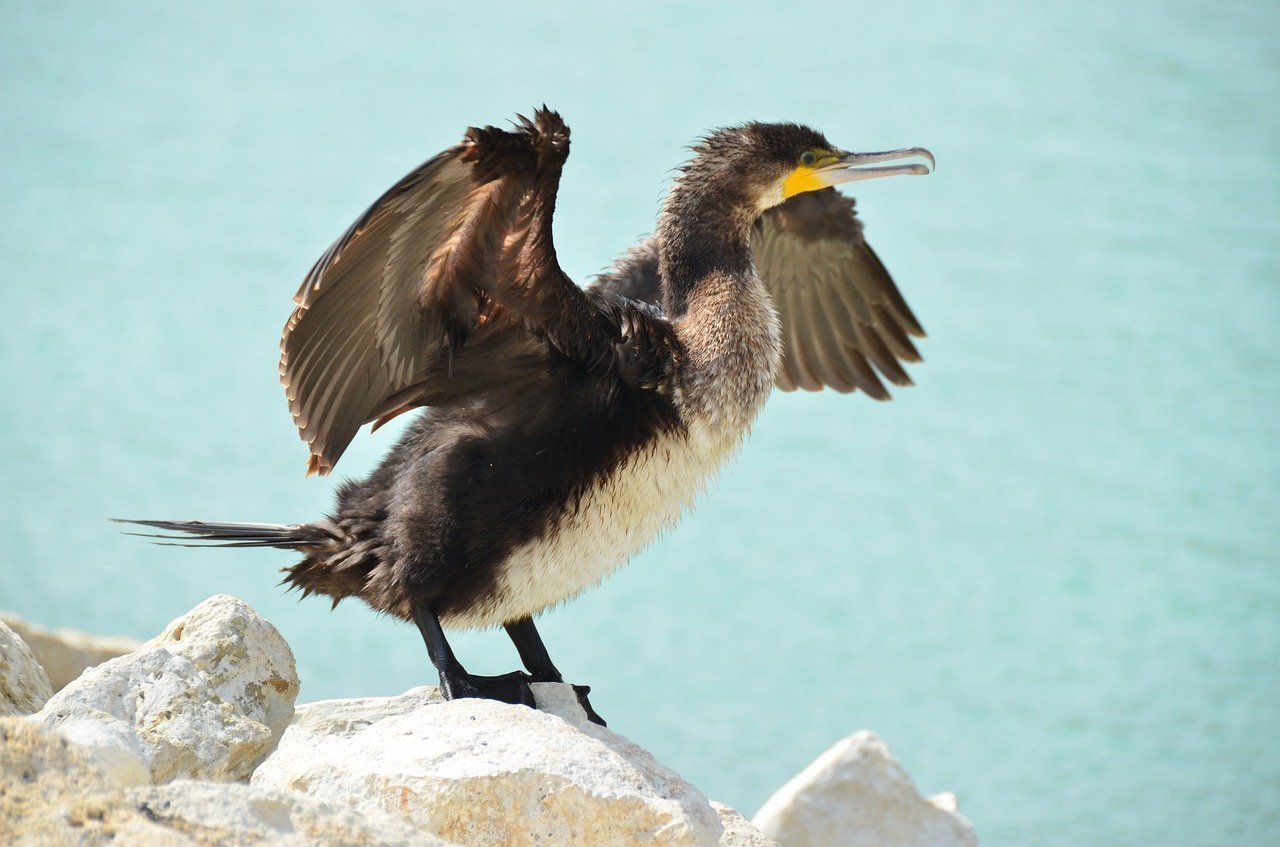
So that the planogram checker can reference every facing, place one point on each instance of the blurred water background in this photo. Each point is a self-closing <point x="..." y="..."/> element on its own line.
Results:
<point x="1047" y="575"/>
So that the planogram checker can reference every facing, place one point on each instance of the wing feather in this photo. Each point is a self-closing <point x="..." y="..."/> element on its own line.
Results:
<point x="830" y="320"/>
<point x="895" y="336"/>
<point x="897" y="304"/>
<point x="448" y="289"/>
<point x="805" y="359"/>
<point x="877" y="352"/>
<point x="837" y="292"/>
<point x="866" y="378"/>
<point x="358" y="332"/>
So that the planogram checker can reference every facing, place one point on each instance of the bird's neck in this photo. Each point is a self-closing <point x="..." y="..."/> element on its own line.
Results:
<point x="722" y="312"/>
<point x="702" y="235"/>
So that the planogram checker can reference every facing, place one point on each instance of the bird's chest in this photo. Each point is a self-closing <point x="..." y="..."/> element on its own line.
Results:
<point x="612" y="520"/>
<point x="725" y="378"/>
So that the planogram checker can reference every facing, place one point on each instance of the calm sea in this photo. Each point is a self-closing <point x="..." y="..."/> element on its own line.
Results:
<point x="1047" y="575"/>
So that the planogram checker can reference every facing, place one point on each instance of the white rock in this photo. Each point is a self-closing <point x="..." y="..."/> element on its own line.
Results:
<point x="45" y="785"/>
<point x="945" y="800"/>
<point x="171" y="709"/>
<point x="857" y="795"/>
<point x="51" y="794"/>
<point x="24" y="686"/>
<point x="485" y="773"/>
<point x="66" y="653"/>
<point x="258" y="816"/>
<point x="114" y="747"/>
<point x="170" y="698"/>
<point x="244" y="658"/>
<point x="738" y="831"/>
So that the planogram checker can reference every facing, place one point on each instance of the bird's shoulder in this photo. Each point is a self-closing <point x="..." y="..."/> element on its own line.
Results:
<point x="647" y="352"/>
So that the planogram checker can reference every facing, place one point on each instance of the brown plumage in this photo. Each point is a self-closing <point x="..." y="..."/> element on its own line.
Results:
<point x="565" y="427"/>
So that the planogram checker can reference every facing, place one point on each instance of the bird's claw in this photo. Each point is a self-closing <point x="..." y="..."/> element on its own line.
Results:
<point x="582" y="691"/>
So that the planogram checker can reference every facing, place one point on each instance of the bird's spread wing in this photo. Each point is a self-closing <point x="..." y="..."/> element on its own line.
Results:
<point x="447" y="287"/>
<point x="842" y="317"/>
<point x="840" y="310"/>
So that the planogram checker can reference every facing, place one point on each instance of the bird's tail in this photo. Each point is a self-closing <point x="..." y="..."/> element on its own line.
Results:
<point x="336" y="561"/>
<point x="201" y="534"/>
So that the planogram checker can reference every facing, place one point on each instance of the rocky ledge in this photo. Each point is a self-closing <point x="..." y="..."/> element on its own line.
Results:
<point x="192" y="738"/>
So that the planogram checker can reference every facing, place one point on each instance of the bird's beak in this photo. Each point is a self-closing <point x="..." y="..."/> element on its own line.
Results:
<point x="851" y="166"/>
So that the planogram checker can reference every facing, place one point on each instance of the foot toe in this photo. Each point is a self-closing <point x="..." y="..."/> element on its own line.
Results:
<point x="582" y="691"/>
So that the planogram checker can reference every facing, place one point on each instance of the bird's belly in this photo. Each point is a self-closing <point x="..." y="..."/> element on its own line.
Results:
<point x="614" y="519"/>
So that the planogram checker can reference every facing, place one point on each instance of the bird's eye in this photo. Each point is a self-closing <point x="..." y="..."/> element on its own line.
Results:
<point x="807" y="158"/>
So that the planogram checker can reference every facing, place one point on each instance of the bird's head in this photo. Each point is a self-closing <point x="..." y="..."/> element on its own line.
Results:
<point x="771" y="162"/>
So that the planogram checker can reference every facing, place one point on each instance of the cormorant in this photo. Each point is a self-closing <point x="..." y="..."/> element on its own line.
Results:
<point x="565" y="427"/>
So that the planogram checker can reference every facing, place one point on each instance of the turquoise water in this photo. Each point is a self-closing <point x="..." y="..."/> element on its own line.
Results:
<point x="1047" y="575"/>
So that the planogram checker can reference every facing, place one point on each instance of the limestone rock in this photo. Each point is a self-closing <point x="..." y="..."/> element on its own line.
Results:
<point x="857" y="795"/>
<point x="66" y="653"/>
<point x="24" y="687"/>
<point x="48" y="787"/>
<point x="161" y="702"/>
<point x="244" y="658"/>
<point x="203" y="700"/>
<point x="738" y="831"/>
<point x="218" y="813"/>
<point x="50" y="793"/>
<point x="114" y="747"/>
<point x="484" y="773"/>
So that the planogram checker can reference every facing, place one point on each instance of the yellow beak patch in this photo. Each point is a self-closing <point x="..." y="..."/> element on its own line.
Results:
<point x="802" y="179"/>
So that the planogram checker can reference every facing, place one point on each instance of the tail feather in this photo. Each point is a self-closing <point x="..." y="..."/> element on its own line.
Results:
<point x="335" y="563"/>
<point x="204" y="534"/>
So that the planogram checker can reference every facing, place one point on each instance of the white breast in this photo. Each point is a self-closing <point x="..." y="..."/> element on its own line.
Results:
<point x="615" y="520"/>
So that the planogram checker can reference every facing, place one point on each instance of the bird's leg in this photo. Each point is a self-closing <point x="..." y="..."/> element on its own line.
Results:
<point x="455" y="682"/>
<point x="533" y="653"/>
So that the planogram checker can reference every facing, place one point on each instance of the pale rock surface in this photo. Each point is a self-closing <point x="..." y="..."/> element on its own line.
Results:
<point x="738" y="831"/>
<point x="219" y="813"/>
<point x="857" y="795"/>
<point x="243" y="657"/>
<point x="51" y="793"/>
<point x="49" y="789"/>
<point x="484" y="773"/>
<point x="114" y="747"/>
<point x="206" y="699"/>
<point x="24" y="686"/>
<point x="160" y="703"/>
<point x="66" y="653"/>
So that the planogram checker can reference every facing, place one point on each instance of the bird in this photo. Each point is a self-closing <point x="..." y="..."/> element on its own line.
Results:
<point x="564" y="427"/>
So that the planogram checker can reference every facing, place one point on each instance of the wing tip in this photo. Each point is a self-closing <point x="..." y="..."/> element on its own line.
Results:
<point x="317" y="465"/>
<point x="494" y="152"/>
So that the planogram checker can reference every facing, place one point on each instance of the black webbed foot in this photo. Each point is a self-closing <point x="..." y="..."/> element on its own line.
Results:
<point x="582" y="691"/>
<point x="508" y="688"/>
<point x="534" y="655"/>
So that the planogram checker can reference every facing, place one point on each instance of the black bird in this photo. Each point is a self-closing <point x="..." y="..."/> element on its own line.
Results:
<point x="565" y="427"/>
